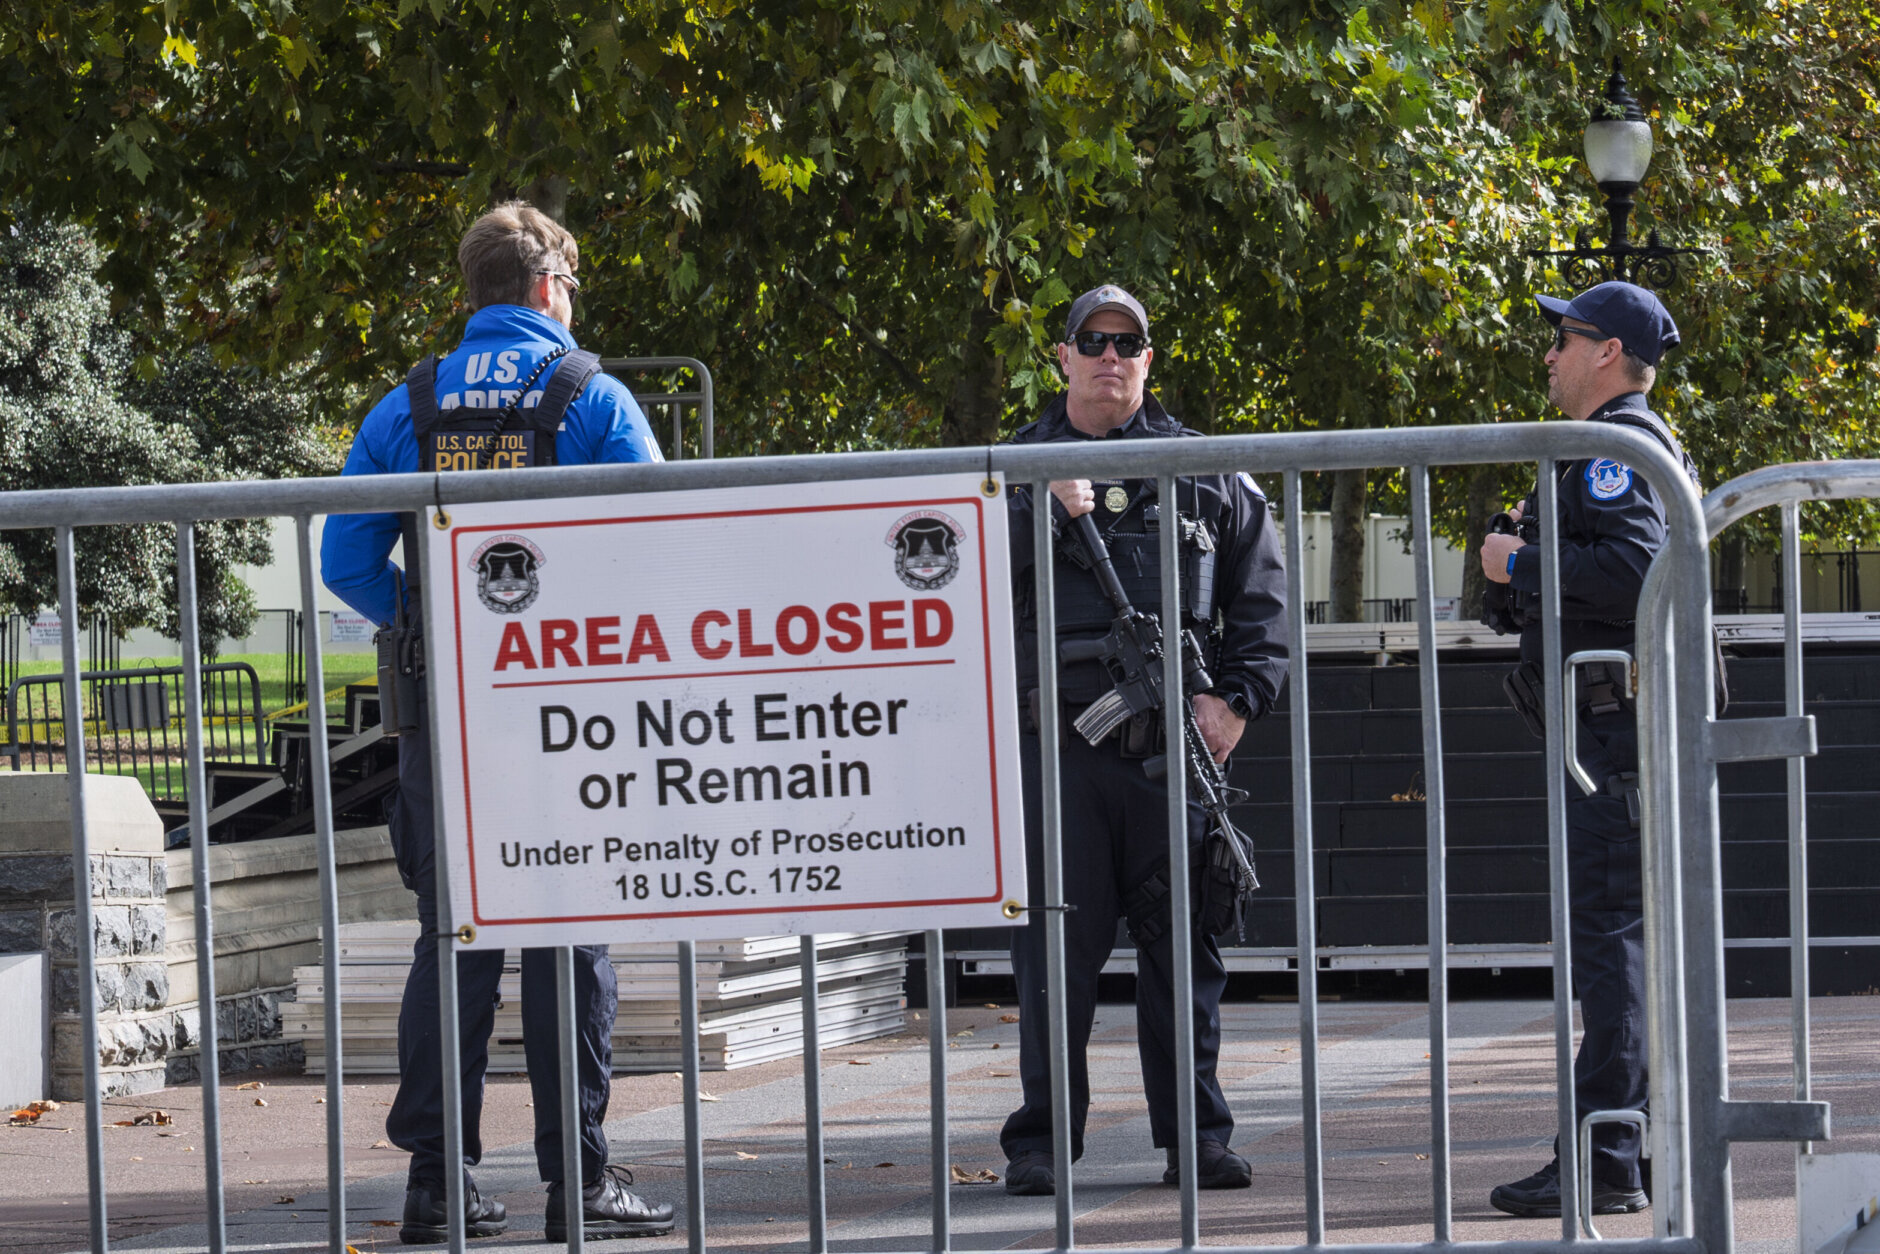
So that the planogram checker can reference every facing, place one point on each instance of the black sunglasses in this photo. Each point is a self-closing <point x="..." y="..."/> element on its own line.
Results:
<point x="1562" y="331"/>
<point x="574" y="285"/>
<point x="1092" y="343"/>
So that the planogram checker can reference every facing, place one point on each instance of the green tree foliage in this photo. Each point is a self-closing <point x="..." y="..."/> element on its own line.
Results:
<point x="75" y="412"/>
<point x="869" y="218"/>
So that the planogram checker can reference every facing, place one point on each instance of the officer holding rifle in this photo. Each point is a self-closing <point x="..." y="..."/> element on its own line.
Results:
<point x="1108" y="595"/>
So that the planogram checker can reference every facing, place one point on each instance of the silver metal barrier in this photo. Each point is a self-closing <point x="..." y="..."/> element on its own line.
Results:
<point x="700" y="396"/>
<point x="1691" y="1120"/>
<point x="1787" y="487"/>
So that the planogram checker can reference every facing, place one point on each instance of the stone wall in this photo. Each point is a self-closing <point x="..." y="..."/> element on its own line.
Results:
<point x="129" y="879"/>
<point x="266" y="902"/>
<point x="265" y="896"/>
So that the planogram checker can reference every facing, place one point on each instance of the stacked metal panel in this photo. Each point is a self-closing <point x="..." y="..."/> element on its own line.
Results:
<point x="749" y="991"/>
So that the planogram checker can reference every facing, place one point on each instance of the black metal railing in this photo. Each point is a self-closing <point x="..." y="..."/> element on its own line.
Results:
<point x="133" y="723"/>
<point x="1376" y="610"/>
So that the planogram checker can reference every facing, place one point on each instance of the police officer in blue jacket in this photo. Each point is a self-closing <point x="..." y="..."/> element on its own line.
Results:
<point x="1114" y="816"/>
<point x="515" y="393"/>
<point x="1611" y="523"/>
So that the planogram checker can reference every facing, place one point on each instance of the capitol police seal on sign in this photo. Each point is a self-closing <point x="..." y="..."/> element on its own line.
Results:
<point x="506" y="568"/>
<point x="926" y="549"/>
<point x="1607" y="479"/>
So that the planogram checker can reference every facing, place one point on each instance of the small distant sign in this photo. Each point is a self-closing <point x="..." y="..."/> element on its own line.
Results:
<point x="1447" y="609"/>
<point x="345" y="627"/>
<point x="46" y="631"/>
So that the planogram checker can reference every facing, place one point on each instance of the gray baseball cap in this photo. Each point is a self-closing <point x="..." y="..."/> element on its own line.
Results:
<point x="1098" y="299"/>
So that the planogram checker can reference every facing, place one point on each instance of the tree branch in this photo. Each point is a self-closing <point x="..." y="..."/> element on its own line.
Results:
<point x="866" y="335"/>
<point x="449" y="169"/>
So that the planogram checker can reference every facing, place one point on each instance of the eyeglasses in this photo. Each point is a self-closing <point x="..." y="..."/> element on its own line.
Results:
<point x="1092" y="343"/>
<point x="1562" y="331"/>
<point x="569" y="279"/>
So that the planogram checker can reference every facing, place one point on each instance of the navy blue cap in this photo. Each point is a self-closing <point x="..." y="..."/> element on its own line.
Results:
<point x="1625" y="311"/>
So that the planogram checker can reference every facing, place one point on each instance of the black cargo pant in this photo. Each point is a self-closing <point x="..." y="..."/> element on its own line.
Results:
<point x="1606" y="880"/>
<point x="416" y="1121"/>
<point x="1115" y="828"/>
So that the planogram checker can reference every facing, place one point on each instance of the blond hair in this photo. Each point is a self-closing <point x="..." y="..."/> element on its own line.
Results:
<point x="502" y="251"/>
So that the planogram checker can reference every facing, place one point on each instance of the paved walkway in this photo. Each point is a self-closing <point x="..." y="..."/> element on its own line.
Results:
<point x="1377" y="1173"/>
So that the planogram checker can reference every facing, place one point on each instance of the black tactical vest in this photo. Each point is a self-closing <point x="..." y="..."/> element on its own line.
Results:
<point x="1129" y="517"/>
<point x="505" y="438"/>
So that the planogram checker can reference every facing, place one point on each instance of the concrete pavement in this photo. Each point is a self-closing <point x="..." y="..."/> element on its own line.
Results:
<point x="1374" y="1081"/>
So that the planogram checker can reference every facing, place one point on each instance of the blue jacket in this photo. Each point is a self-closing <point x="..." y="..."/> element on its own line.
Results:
<point x="501" y="345"/>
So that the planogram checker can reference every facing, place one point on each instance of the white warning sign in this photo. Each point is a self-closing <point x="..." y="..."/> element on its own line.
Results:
<point x="730" y="711"/>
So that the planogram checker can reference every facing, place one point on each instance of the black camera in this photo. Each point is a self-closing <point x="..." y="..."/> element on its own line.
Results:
<point x="1505" y="610"/>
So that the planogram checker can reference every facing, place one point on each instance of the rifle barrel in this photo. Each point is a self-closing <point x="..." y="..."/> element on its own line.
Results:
<point x="1086" y="528"/>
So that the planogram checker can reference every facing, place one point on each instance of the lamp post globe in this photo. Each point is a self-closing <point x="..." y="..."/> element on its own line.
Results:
<point x="1618" y="153"/>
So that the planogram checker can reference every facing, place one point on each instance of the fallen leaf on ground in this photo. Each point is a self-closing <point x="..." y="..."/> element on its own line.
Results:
<point x="995" y="1044"/>
<point x="707" y="1097"/>
<point x="984" y="1175"/>
<point x="136" y="1158"/>
<point x="1008" y="1018"/>
<point x="860" y="1062"/>
<point x="829" y="1162"/>
<point x="30" y="1112"/>
<point x="965" y="1032"/>
<point x="1422" y="1157"/>
<point x="992" y="1005"/>
<point x="261" y="1101"/>
<point x="249" y="1084"/>
<point x="352" y="1249"/>
<point x="384" y="1223"/>
<point x="254" y="1182"/>
<point x="884" y="1164"/>
<point x="148" y="1119"/>
<point x="381" y="1145"/>
<point x="319" y="1101"/>
<point x="746" y="1157"/>
<point x="283" y="1200"/>
<point x="1002" y="1075"/>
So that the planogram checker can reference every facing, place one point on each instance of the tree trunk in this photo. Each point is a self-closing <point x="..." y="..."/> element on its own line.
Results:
<point x="549" y="194"/>
<point x="973" y="410"/>
<point x="1732" y="561"/>
<point x="1481" y="502"/>
<point x="1348" y="495"/>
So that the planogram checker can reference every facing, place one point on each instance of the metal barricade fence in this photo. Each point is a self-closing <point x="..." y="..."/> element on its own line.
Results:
<point x="1787" y="487"/>
<point x="1692" y="1122"/>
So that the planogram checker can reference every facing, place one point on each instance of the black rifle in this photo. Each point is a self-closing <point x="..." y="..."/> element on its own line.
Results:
<point x="1132" y="653"/>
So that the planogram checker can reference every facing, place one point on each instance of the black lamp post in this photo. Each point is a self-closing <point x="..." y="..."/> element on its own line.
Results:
<point x="1618" y="151"/>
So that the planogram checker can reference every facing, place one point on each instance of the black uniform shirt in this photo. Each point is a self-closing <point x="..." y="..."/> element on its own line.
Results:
<point x="1611" y="526"/>
<point x="1249" y="661"/>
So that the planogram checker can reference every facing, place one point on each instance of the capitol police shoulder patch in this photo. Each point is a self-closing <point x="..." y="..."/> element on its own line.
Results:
<point x="1607" y="479"/>
<point x="926" y="547"/>
<point x="507" y="568"/>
